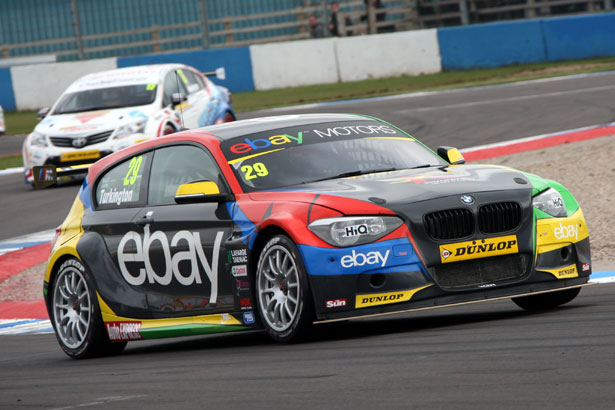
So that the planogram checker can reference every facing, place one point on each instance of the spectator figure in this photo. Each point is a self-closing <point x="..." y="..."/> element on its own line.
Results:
<point x="338" y="24"/>
<point x="316" y="28"/>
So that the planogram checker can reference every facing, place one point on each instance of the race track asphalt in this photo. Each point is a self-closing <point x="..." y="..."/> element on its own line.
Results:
<point x="483" y="356"/>
<point x="462" y="118"/>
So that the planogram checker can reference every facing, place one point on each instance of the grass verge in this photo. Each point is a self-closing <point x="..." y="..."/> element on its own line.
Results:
<point x="11" y="161"/>
<point x="24" y="121"/>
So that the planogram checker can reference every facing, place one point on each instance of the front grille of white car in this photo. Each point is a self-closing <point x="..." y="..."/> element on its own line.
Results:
<point x="89" y="140"/>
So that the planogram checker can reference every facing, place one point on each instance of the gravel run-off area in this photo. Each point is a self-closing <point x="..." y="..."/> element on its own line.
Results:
<point x="587" y="169"/>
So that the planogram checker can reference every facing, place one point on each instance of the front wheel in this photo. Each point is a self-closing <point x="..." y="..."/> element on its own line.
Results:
<point x="283" y="296"/>
<point x="544" y="301"/>
<point x="76" y="315"/>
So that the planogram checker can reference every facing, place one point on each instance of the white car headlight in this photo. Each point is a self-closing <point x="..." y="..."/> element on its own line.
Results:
<point x="38" y="140"/>
<point x="127" y="130"/>
<point x="354" y="230"/>
<point x="551" y="202"/>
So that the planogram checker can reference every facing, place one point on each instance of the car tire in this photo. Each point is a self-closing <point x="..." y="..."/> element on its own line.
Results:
<point x="76" y="316"/>
<point x="283" y="296"/>
<point x="545" y="301"/>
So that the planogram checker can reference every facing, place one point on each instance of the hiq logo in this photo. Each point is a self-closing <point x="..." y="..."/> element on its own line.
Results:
<point x="356" y="230"/>
<point x="261" y="143"/>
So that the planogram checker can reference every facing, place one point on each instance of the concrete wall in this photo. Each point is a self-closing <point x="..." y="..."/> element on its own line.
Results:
<point x="40" y="85"/>
<point x="7" y="94"/>
<point x="568" y="38"/>
<point x="388" y="55"/>
<point x="236" y="62"/>
<point x="294" y="63"/>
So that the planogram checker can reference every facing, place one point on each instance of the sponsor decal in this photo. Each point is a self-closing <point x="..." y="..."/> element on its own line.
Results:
<point x="89" y="116"/>
<point x="248" y="318"/>
<point x="356" y="230"/>
<point x="361" y="259"/>
<point x="137" y="113"/>
<point x="238" y="256"/>
<point x="585" y="267"/>
<point x="239" y="270"/>
<point x="245" y="303"/>
<point x="335" y="303"/>
<point x="487" y="285"/>
<point x="142" y="269"/>
<point x="386" y="298"/>
<point x="566" y="232"/>
<point x="355" y="129"/>
<point x="242" y="284"/>
<point x="564" y="273"/>
<point x="124" y="331"/>
<point x="79" y="155"/>
<point x="480" y="248"/>
<point x="262" y="143"/>
<point x="114" y="196"/>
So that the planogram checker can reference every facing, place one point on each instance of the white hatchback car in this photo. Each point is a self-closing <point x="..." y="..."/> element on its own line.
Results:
<point x="104" y="112"/>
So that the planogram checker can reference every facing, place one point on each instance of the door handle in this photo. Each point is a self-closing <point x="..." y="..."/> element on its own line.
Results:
<point x="147" y="219"/>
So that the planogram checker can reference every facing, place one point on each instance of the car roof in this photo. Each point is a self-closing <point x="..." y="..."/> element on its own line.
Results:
<point x="235" y="129"/>
<point x="143" y="74"/>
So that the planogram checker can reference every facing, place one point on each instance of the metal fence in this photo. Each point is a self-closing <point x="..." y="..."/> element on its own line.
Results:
<point x="83" y="29"/>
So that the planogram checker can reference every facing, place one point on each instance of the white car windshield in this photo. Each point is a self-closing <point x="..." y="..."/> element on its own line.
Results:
<point x="106" y="98"/>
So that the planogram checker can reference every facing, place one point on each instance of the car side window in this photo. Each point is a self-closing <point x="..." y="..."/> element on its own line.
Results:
<point x="123" y="186"/>
<point x="191" y="81"/>
<point x="177" y="165"/>
<point x="173" y="83"/>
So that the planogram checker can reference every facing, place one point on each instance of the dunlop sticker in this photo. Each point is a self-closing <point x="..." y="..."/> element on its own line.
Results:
<point x="480" y="248"/>
<point x="564" y="273"/>
<point x="375" y="299"/>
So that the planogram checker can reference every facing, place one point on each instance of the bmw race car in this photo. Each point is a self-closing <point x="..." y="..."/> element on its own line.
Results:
<point x="104" y="112"/>
<point x="277" y="223"/>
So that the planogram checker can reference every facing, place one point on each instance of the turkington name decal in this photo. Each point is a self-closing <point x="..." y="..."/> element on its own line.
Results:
<point x="480" y="248"/>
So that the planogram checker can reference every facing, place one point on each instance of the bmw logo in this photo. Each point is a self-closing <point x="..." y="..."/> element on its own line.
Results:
<point x="467" y="199"/>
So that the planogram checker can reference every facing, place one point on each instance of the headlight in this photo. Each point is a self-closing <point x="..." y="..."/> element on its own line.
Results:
<point x="38" y="140"/>
<point x="354" y="230"/>
<point x="551" y="202"/>
<point x="129" y="129"/>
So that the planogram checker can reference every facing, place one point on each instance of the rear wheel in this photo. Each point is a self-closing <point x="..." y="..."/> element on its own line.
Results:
<point x="283" y="296"/>
<point x="76" y="315"/>
<point x="548" y="300"/>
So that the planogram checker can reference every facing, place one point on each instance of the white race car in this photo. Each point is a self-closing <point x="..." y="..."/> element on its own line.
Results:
<point x="104" y="112"/>
<point x="2" y="127"/>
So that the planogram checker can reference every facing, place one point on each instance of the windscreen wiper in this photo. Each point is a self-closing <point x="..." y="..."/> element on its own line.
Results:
<point x="356" y="173"/>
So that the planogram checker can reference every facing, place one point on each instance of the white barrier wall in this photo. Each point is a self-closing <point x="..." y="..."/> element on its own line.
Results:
<point x="333" y="60"/>
<point x="293" y="64"/>
<point x="388" y="55"/>
<point x="40" y="85"/>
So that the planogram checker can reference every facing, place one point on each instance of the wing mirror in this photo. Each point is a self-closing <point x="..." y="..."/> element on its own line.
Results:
<point x="200" y="191"/>
<point x="451" y="155"/>
<point x="178" y="98"/>
<point x="42" y="113"/>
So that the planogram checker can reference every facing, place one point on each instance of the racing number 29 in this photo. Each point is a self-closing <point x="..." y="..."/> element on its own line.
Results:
<point x="133" y="170"/>
<point x="255" y="170"/>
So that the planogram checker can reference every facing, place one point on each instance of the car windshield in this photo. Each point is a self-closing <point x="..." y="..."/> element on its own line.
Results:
<point x="318" y="152"/>
<point x="106" y="98"/>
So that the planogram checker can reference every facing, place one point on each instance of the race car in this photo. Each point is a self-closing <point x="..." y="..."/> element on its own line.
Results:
<point x="2" y="126"/>
<point x="103" y="112"/>
<point x="278" y="223"/>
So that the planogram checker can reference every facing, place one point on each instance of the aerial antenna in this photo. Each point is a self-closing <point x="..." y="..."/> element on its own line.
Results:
<point x="181" y="104"/>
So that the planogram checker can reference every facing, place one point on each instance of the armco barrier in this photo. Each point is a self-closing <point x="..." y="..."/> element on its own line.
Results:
<point x="236" y="62"/>
<point x="40" y="85"/>
<point x="388" y="55"/>
<point x="579" y="37"/>
<point x="7" y="96"/>
<point x="492" y="45"/>
<point x="294" y="63"/>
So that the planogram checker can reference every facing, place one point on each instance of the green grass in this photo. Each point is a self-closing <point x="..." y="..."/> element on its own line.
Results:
<point x="24" y="121"/>
<point x="12" y="161"/>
